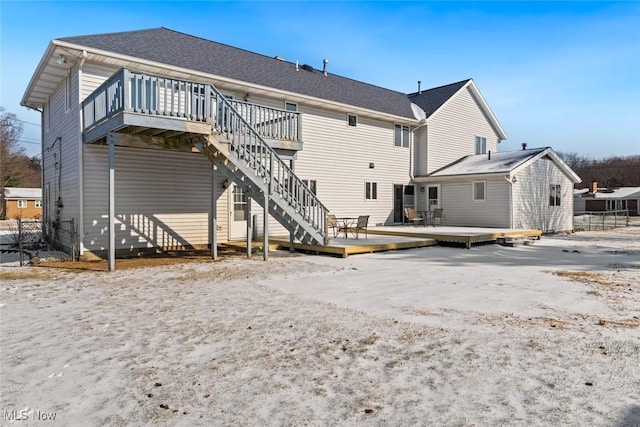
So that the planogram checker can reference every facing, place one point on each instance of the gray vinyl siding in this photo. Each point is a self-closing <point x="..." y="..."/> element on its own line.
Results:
<point x="531" y="192"/>
<point x="93" y="75"/>
<point x="60" y="159"/>
<point x="461" y="210"/>
<point x="453" y="128"/>
<point x="162" y="199"/>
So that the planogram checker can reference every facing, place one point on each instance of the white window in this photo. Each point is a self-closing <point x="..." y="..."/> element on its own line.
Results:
<point x="39" y="204"/>
<point x="371" y="190"/>
<point x="291" y="106"/>
<point x="479" y="192"/>
<point x="481" y="145"/>
<point x="22" y="204"/>
<point x="616" y="205"/>
<point x="400" y="136"/>
<point x="352" y="120"/>
<point x="554" y="195"/>
<point x="313" y="186"/>
<point x="67" y="92"/>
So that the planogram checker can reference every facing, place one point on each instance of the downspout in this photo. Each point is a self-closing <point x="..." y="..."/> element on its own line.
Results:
<point x="80" y="227"/>
<point x="423" y="122"/>
<point x="509" y="180"/>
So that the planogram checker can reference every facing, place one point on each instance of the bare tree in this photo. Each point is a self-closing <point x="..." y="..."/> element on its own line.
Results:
<point x="16" y="168"/>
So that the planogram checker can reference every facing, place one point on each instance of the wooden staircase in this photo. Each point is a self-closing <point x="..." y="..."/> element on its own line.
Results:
<point x="245" y="158"/>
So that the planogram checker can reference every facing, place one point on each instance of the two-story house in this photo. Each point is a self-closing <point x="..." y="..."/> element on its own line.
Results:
<point x="159" y="139"/>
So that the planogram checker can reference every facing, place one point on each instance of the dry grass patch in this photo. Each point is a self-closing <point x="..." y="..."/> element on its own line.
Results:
<point x="121" y="264"/>
<point x="588" y="277"/>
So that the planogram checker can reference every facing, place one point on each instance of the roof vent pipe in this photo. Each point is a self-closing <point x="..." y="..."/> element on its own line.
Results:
<point x="524" y="145"/>
<point x="324" y="66"/>
<point x="297" y="67"/>
<point x="419" y="90"/>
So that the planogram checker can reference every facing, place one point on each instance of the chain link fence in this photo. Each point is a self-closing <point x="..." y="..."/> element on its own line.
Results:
<point x="32" y="235"/>
<point x="587" y="221"/>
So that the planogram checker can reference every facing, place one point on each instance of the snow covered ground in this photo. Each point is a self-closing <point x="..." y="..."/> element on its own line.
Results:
<point x="544" y="335"/>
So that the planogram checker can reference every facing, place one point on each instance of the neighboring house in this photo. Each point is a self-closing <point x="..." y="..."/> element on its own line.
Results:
<point x="192" y="138"/>
<point x="594" y="199"/>
<point x="24" y="203"/>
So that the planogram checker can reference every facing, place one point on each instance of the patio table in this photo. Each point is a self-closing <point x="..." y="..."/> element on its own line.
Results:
<point x="344" y="223"/>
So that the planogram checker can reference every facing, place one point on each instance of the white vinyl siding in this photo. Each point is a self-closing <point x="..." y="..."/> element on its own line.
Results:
<point x="341" y="168"/>
<point x="461" y="210"/>
<point x="531" y="194"/>
<point x="453" y="129"/>
<point x="162" y="199"/>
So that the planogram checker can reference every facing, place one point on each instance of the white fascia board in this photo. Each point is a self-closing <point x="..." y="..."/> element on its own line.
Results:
<point x="187" y="73"/>
<point x="555" y="158"/>
<point x="36" y="75"/>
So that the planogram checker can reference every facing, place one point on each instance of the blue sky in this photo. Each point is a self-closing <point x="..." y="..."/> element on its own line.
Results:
<point x="560" y="74"/>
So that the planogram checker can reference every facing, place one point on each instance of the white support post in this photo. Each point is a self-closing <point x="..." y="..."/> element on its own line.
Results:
<point x="265" y="232"/>
<point x="247" y="210"/>
<point x="213" y="221"/>
<point x="112" y="175"/>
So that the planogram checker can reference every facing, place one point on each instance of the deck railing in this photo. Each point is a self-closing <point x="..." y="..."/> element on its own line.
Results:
<point x="160" y="96"/>
<point x="244" y="126"/>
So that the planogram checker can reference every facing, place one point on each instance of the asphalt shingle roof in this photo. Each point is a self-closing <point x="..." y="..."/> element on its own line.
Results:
<point x="432" y="99"/>
<point x="182" y="50"/>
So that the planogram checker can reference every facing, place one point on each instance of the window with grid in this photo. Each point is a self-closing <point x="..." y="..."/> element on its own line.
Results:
<point x="22" y="204"/>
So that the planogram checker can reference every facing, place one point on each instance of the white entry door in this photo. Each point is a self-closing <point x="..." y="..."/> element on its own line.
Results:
<point x="433" y="197"/>
<point x="237" y="213"/>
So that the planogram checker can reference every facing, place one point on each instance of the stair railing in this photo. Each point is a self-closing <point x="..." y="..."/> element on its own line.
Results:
<point x="247" y="145"/>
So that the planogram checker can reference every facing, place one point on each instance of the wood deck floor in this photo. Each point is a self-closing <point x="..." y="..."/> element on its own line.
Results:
<point x="393" y="238"/>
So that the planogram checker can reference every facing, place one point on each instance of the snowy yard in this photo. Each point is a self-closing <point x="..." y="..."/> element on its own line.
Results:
<point x="544" y="335"/>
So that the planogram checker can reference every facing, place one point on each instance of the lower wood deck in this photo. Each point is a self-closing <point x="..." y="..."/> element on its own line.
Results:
<point x="394" y="238"/>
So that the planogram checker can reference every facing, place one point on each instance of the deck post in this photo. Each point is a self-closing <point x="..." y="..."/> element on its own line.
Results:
<point x="265" y="228"/>
<point x="112" y="230"/>
<point x="247" y="212"/>
<point x="213" y="220"/>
